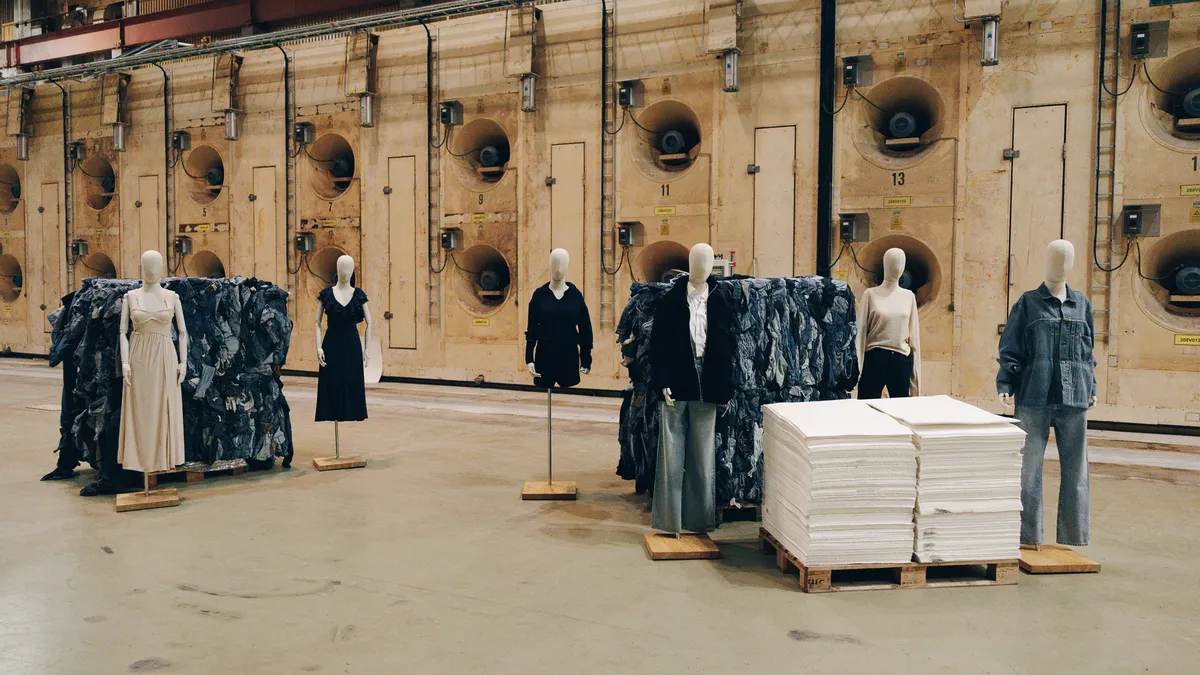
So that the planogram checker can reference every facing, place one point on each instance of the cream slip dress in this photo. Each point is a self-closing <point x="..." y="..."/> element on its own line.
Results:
<point x="151" y="404"/>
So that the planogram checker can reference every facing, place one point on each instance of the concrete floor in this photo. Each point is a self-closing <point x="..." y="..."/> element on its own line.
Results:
<point x="428" y="562"/>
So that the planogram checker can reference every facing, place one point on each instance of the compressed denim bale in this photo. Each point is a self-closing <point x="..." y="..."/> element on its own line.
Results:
<point x="238" y="337"/>
<point x="793" y="341"/>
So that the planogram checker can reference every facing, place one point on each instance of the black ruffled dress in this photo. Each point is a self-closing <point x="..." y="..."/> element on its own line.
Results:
<point x="341" y="391"/>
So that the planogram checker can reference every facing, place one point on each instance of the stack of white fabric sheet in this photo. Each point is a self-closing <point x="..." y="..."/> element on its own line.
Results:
<point x="839" y="483"/>
<point x="968" y="478"/>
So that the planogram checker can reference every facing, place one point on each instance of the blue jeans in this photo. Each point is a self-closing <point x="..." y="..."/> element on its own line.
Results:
<point x="1070" y="434"/>
<point x="685" y="487"/>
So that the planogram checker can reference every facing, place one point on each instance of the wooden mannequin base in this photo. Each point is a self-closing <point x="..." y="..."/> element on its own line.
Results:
<point x="139" y="501"/>
<point x="1055" y="559"/>
<point x="687" y="546"/>
<point x="335" y="463"/>
<point x="562" y="490"/>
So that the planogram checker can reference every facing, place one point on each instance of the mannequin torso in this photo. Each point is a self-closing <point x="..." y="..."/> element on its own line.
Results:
<point x="888" y="319"/>
<point x="560" y="262"/>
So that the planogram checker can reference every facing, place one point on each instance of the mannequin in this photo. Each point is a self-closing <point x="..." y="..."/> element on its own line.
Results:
<point x="889" y="335"/>
<point x="558" y="347"/>
<point x="341" y="390"/>
<point x="692" y="364"/>
<point x="1047" y="365"/>
<point x="151" y="436"/>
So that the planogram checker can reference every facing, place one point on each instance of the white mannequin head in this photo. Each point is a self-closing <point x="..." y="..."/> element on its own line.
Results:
<point x="893" y="265"/>
<point x="1060" y="256"/>
<point x="152" y="267"/>
<point x="345" y="269"/>
<point x="700" y="264"/>
<point x="560" y="260"/>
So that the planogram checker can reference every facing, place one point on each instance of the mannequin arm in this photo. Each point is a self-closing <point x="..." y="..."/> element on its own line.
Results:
<point x="860" y="340"/>
<point x="1090" y="341"/>
<point x="1012" y="352"/>
<point x="531" y="337"/>
<point x="367" y="337"/>
<point x="181" y="327"/>
<point x="320" y="351"/>
<point x="125" y="372"/>
<point x="584" y="326"/>
<point x="914" y="343"/>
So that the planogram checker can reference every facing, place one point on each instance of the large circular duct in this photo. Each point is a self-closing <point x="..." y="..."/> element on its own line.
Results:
<point x="901" y="117"/>
<point x="481" y="153"/>
<point x="205" y="174"/>
<point x="99" y="182"/>
<point x="99" y="265"/>
<point x="205" y="264"/>
<point x="481" y="279"/>
<point x="323" y="266"/>
<point x="331" y="166"/>
<point x="662" y="261"/>
<point x="10" y="189"/>
<point x="1169" y="288"/>
<point x="666" y="141"/>
<point x="922" y="273"/>
<point x="12" y="280"/>
<point x="1171" y="109"/>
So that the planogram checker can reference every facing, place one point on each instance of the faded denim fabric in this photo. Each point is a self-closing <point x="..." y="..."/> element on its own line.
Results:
<point x="233" y="403"/>
<point x="1038" y="325"/>
<point x="793" y="340"/>
<point x="1070" y="435"/>
<point x="684" y="488"/>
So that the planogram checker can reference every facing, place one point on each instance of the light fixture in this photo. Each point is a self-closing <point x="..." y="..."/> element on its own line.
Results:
<point x="366" y="110"/>
<point x="233" y="125"/>
<point x="23" y="147"/>
<point x="528" y="92"/>
<point x="118" y="137"/>
<point x="731" y="71"/>
<point x="991" y="41"/>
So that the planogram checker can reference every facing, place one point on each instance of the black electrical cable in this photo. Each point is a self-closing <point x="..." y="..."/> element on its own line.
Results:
<point x="310" y="271"/>
<point x="854" y="255"/>
<point x="182" y="262"/>
<point x="1132" y="79"/>
<point x="843" y="105"/>
<point x="465" y="154"/>
<point x="445" y="261"/>
<point x="639" y="124"/>
<point x="624" y="115"/>
<point x="860" y="95"/>
<point x="189" y="173"/>
<point x="445" y="139"/>
<point x="620" y="264"/>
<point x="841" y="253"/>
<point x="1109" y="270"/>
<point x="1152" y="84"/>
<point x="84" y="172"/>
<point x="1137" y="244"/>
<point x="303" y="254"/>
<point x="84" y="263"/>
<point x="318" y="161"/>
<point x="461" y="268"/>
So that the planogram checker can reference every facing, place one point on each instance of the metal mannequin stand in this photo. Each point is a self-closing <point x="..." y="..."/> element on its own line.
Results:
<point x="337" y="461"/>
<point x="548" y="489"/>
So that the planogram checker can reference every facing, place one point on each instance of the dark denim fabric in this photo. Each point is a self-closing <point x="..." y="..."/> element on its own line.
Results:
<point x="793" y="340"/>
<point x="1038" y="325"/>
<point x="233" y="404"/>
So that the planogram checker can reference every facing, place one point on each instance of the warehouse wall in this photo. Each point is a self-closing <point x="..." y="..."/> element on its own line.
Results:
<point x="973" y="223"/>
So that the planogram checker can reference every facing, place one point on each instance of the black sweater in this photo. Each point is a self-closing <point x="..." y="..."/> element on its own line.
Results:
<point x="672" y="362"/>
<point x="559" y="338"/>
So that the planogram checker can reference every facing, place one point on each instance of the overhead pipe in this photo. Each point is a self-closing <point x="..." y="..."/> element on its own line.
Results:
<point x="828" y="56"/>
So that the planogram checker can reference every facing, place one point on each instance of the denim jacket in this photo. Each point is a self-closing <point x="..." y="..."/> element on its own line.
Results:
<point x="1036" y="323"/>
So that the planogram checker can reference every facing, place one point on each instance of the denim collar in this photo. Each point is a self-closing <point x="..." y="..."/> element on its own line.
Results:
<point x="1047" y="295"/>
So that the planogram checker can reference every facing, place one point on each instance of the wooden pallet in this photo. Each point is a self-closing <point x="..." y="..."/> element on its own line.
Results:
<point x="891" y="576"/>
<point x="194" y="472"/>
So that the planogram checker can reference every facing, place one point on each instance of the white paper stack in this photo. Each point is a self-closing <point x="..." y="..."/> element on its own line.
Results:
<point x="839" y="483"/>
<point x="968" y="478"/>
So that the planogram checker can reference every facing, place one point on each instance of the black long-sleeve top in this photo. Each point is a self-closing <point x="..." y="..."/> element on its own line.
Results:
<point x="559" y="338"/>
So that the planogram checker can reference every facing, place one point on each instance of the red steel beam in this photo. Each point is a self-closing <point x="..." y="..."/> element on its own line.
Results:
<point x="202" y="19"/>
<point x="272" y="11"/>
<point x="65" y="44"/>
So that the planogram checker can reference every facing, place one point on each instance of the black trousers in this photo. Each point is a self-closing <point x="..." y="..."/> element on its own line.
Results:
<point x="884" y="367"/>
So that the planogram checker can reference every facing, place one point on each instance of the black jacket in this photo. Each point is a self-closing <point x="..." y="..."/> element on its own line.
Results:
<point x="672" y="363"/>
<point x="559" y="337"/>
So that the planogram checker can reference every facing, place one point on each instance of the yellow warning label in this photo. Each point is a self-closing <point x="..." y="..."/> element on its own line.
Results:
<point x="664" y="228"/>
<point x="897" y="221"/>
<point x="1189" y="190"/>
<point x="204" y="227"/>
<point x="664" y="210"/>
<point x="1194" y="214"/>
<point x="478" y="217"/>
<point x="897" y="201"/>
<point x="7" y="310"/>
<point x="1187" y="340"/>
<point x="481" y="322"/>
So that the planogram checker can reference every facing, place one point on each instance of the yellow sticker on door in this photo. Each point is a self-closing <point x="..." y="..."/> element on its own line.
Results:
<point x="481" y="322"/>
<point x="1187" y="340"/>
<point x="1189" y="190"/>
<point x="897" y="201"/>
